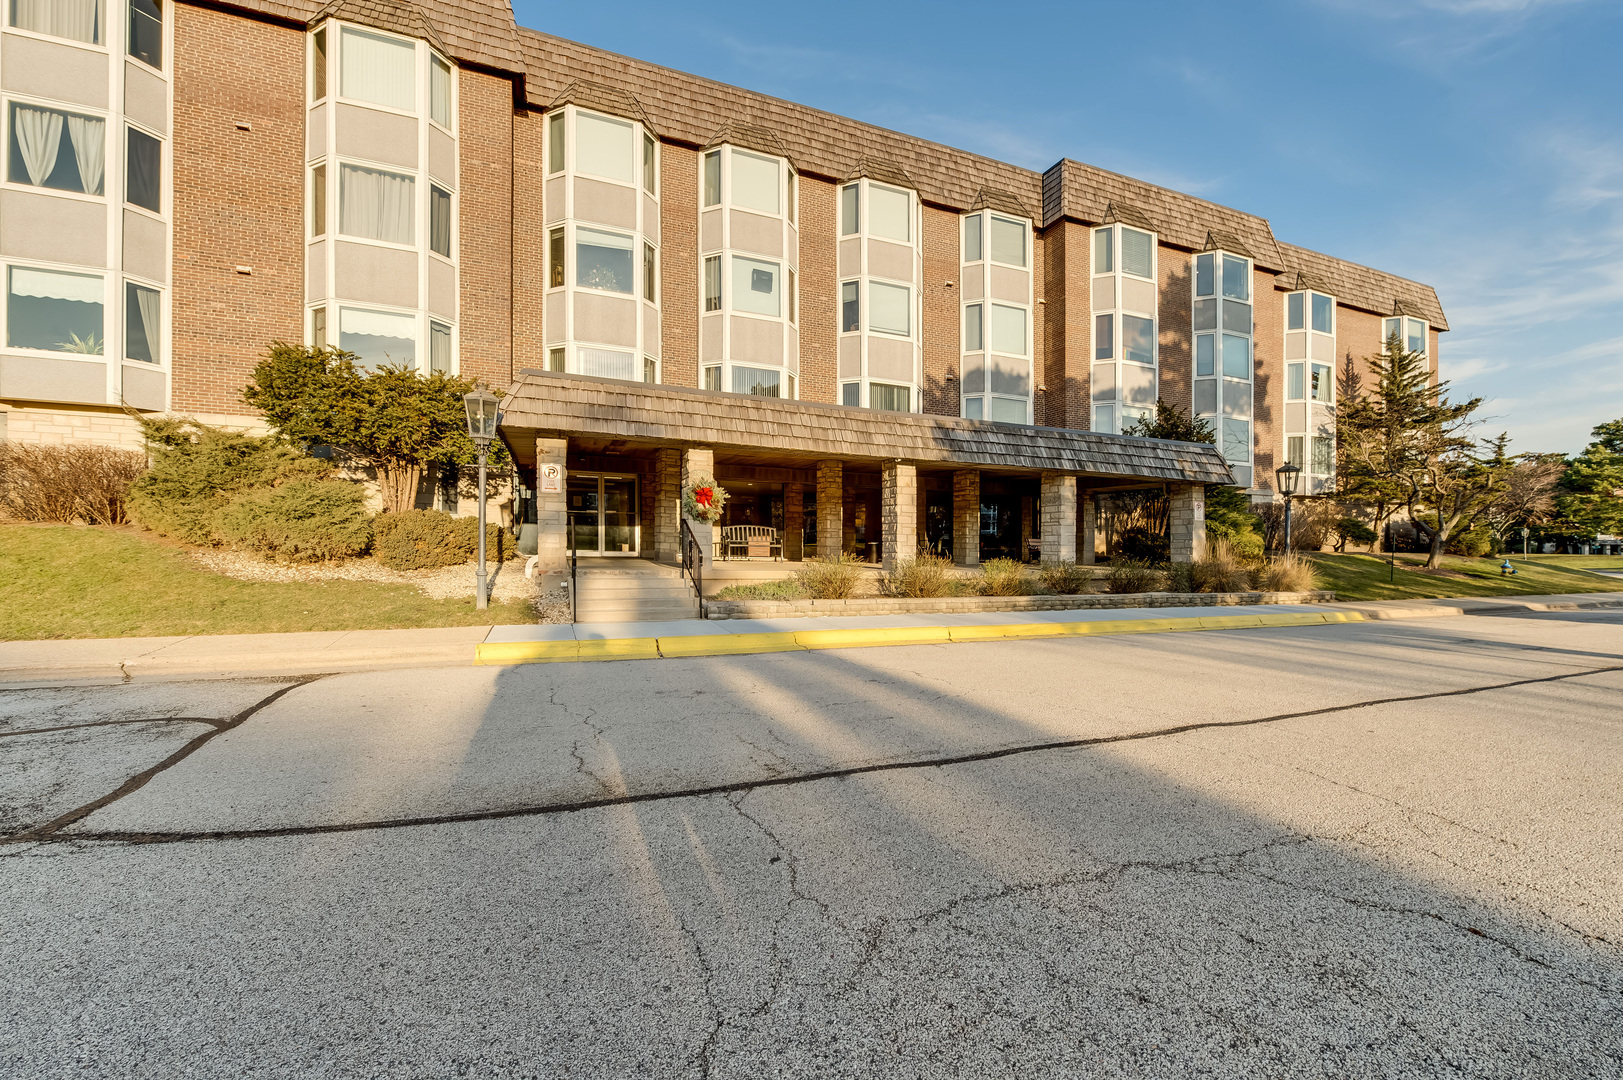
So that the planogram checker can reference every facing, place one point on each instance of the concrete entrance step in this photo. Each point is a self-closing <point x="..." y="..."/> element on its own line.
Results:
<point x="630" y="590"/>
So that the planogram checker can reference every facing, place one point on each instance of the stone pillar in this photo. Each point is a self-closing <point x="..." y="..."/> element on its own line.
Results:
<point x="794" y="517"/>
<point x="1059" y="517"/>
<point x="668" y="505"/>
<point x="830" y="509"/>
<point x="1187" y="522"/>
<point x="899" y="536"/>
<point x="551" y="507"/>
<point x="966" y="517"/>
<point x="700" y="462"/>
<point x="1090" y="528"/>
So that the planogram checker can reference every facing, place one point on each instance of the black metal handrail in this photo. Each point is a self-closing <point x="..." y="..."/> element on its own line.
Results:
<point x="693" y="561"/>
<point x="574" y="589"/>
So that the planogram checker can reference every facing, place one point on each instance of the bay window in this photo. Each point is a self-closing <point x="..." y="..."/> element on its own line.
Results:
<point x="603" y="260"/>
<point x="603" y="147"/>
<point x="378" y="337"/>
<point x="55" y="311"/>
<point x="756" y="286"/>
<point x="1008" y="241"/>
<point x="890" y="309"/>
<point x="755" y="182"/>
<point x="890" y="213"/>
<point x="1126" y="351"/>
<point x="377" y="69"/>
<point x="439" y="220"/>
<point x="143" y="308"/>
<point x="1310" y="352"/>
<point x="146" y="32"/>
<point x="76" y="20"/>
<point x="1411" y="333"/>
<point x="143" y="167"/>
<point x="55" y="149"/>
<point x="1223" y="361"/>
<point x="377" y="205"/>
<point x="890" y="397"/>
<point x="994" y="365"/>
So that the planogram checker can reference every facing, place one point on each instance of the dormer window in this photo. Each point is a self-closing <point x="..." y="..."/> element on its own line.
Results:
<point x="377" y="69"/>
<point x="1411" y="333"/>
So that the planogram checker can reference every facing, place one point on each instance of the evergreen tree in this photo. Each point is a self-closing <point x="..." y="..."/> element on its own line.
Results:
<point x="1590" y="498"/>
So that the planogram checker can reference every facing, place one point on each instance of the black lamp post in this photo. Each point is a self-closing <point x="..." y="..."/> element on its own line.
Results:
<point x="1288" y="476"/>
<point x="481" y="406"/>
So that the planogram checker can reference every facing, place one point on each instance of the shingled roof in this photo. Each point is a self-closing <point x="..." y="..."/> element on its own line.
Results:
<point x="1370" y="290"/>
<point x="477" y="32"/>
<point x="604" y="99"/>
<point x="548" y="403"/>
<point x="750" y="137"/>
<point x="395" y="16"/>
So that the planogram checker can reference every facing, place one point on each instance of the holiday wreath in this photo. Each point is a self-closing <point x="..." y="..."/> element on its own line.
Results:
<point x="703" y="499"/>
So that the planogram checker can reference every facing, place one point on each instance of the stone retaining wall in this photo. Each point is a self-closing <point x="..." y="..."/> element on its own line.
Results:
<point x="959" y="605"/>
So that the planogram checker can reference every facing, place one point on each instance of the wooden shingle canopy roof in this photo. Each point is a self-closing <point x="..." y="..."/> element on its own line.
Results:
<point x="553" y="405"/>
<point x="689" y="110"/>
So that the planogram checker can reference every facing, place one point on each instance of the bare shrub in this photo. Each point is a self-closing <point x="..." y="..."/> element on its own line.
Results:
<point x="925" y="577"/>
<point x="1004" y="577"/>
<point x="1064" y="578"/>
<point x="1287" y="573"/>
<point x="67" y="483"/>
<point x="1129" y="576"/>
<point x="1313" y="524"/>
<point x="1222" y="570"/>
<point x="837" y="578"/>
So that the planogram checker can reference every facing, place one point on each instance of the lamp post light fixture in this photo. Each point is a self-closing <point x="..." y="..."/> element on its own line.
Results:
<point x="1288" y="476"/>
<point x="481" y="407"/>
<point x="1525" y="531"/>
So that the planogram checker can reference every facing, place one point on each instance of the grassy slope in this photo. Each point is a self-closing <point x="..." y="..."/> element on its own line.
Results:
<point x="64" y="581"/>
<point x="1364" y="577"/>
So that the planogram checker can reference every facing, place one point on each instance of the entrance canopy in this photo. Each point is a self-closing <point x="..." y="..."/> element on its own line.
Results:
<point x="548" y="405"/>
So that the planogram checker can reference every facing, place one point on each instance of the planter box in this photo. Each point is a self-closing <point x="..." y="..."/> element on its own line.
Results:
<point x="961" y="605"/>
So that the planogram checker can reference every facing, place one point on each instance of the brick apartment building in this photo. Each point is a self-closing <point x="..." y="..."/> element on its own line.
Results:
<point x="854" y="329"/>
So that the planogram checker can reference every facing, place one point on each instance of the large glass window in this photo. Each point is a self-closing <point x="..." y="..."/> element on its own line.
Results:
<point x="1137" y="336"/>
<point x="58" y="150"/>
<point x="1008" y="410"/>
<point x="757" y="287"/>
<point x="1323" y="386"/>
<point x="850" y="307"/>
<point x="1008" y="330"/>
<point x="607" y="364"/>
<point x="890" y="398"/>
<point x="1236" y="435"/>
<point x="1324" y="314"/>
<point x="1137" y="253"/>
<point x="603" y="147"/>
<point x="439" y="348"/>
<point x="439" y="92"/>
<point x="76" y="20"/>
<point x="1204" y="270"/>
<point x="439" y="220"/>
<point x="972" y="238"/>
<point x="890" y="309"/>
<point x="1323" y="462"/>
<point x="378" y="69"/>
<point x="378" y="337"/>
<point x="712" y="284"/>
<point x="762" y="382"/>
<point x="143" y="308"/>
<point x="1236" y="278"/>
<point x="755" y="182"/>
<point x="55" y="311"/>
<point x="604" y="260"/>
<point x="377" y="205"/>
<point x="143" y="165"/>
<point x="890" y="213"/>
<point x="1008" y="241"/>
<point x="146" y="32"/>
<point x="1236" y="357"/>
<point x="1417" y="335"/>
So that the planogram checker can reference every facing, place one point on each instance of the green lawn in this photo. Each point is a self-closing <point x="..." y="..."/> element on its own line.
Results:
<point x="1366" y="577"/>
<point x="67" y="581"/>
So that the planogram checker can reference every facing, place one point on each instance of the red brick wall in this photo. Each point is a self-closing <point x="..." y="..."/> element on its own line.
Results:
<point x="1174" y="326"/>
<point x="1267" y="378"/>
<point x="679" y="265"/>
<point x="529" y="240"/>
<point x="485" y="144"/>
<point x="819" y="291"/>
<point x="1358" y="335"/>
<point x="1039" y="342"/>
<point x="939" y="323"/>
<point x="238" y="201"/>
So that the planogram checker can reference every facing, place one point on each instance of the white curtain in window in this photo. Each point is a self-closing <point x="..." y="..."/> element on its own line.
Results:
<point x="79" y="20"/>
<point x="147" y="303"/>
<point x="1137" y="253"/>
<point x="378" y="69"/>
<point x="39" y="136"/>
<point x="603" y="147"/>
<point x="89" y="138"/>
<point x="377" y="205"/>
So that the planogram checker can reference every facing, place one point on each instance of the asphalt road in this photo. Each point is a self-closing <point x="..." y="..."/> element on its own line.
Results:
<point x="1369" y="850"/>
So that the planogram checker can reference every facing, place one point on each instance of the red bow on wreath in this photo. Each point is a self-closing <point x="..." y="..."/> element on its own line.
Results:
<point x="703" y="496"/>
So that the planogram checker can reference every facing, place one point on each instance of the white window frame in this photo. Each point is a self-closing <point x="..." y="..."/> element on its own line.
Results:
<point x="335" y="83"/>
<point x="1114" y="414"/>
<point x="1217" y="332"/>
<point x="108" y="31"/>
<point x="112" y="156"/>
<point x="428" y="92"/>
<point x="108" y="309"/>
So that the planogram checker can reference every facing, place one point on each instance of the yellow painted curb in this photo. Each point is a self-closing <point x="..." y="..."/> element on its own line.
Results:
<point x="728" y="644"/>
<point x="525" y="652"/>
<point x="1342" y="616"/>
<point x="879" y="635"/>
<point x="1011" y="630"/>
<point x="636" y="648"/>
<point x="1132" y="626"/>
<point x="1230" y="622"/>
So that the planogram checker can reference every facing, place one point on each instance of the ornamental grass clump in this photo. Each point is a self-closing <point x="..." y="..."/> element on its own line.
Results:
<point x="836" y="578"/>
<point x="926" y="577"/>
<point x="1064" y="578"/>
<point x="1287" y="573"/>
<point x="1221" y="571"/>
<point x="1132" y="576"/>
<point x="1004" y="577"/>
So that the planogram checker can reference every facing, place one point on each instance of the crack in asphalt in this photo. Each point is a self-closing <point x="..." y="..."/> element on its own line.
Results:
<point x="210" y="720"/>
<point x="47" y="832"/>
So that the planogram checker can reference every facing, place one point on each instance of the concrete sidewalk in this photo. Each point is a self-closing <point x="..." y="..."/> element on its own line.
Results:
<point x="121" y="659"/>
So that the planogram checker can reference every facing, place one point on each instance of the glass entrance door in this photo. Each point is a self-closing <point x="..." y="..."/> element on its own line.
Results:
<point x="603" y="518"/>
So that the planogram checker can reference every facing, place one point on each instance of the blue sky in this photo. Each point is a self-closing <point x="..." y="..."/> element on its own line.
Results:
<point x="1471" y="144"/>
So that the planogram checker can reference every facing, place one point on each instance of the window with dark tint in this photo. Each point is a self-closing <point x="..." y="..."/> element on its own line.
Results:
<point x="318" y="65"/>
<point x="439" y="221"/>
<point x="142" y="167"/>
<point x="555" y="258"/>
<point x="146" y="32"/>
<point x="141" y="314"/>
<point x="58" y="150"/>
<point x="850" y="308"/>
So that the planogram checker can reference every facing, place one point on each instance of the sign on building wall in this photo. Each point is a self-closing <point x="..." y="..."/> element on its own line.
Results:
<point x="552" y="479"/>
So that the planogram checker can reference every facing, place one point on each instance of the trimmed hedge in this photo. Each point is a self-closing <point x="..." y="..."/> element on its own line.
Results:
<point x="424" y="539"/>
<point x="299" y="521"/>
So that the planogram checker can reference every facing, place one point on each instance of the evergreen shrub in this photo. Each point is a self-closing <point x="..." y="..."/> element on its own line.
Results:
<point x="300" y="521"/>
<point x="425" y="539"/>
